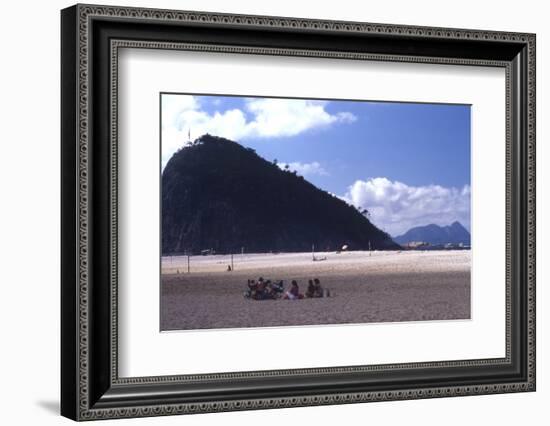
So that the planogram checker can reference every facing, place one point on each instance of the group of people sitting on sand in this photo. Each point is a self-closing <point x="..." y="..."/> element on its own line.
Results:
<point x="267" y="289"/>
<point x="264" y="289"/>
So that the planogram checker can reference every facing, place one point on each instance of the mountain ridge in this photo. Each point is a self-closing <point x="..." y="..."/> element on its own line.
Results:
<point x="454" y="233"/>
<point x="218" y="195"/>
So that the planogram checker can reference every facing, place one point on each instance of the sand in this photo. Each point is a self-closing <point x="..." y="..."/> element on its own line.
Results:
<point x="365" y="287"/>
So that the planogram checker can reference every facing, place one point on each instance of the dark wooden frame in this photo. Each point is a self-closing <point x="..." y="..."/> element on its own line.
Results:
<point x="90" y="386"/>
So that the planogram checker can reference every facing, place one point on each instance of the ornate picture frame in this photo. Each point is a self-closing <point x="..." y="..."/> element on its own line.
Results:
<point x="91" y="37"/>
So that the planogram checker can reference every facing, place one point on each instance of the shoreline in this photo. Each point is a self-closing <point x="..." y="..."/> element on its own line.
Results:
<point x="381" y="287"/>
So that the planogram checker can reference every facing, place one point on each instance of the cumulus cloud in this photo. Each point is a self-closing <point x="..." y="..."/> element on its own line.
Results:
<point x="289" y="117"/>
<point x="260" y="118"/>
<point x="305" y="169"/>
<point x="396" y="207"/>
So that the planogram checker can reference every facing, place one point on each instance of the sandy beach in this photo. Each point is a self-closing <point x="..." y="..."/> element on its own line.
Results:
<point x="385" y="286"/>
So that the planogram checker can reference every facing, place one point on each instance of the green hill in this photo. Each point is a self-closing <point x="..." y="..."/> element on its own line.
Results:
<point x="217" y="194"/>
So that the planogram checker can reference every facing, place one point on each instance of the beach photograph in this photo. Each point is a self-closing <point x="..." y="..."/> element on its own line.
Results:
<point x="283" y="212"/>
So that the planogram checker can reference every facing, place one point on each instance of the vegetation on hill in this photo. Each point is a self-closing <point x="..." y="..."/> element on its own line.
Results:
<point x="218" y="195"/>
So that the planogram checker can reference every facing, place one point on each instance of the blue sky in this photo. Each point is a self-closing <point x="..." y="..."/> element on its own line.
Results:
<point x="407" y="163"/>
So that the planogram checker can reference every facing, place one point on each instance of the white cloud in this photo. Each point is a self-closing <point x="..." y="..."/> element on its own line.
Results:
<point x="173" y="106"/>
<point x="396" y="207"/>
<point x="305" y="169"/>
<point x="262" y="118"/>
<point x="289" y="117"/>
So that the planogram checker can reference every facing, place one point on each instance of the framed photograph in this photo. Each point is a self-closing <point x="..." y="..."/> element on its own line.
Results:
<point x="264" y="212"/>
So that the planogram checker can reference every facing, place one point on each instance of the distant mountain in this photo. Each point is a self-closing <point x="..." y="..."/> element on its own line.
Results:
<point x="435" y="235"/>
<point x="217" y="194"/>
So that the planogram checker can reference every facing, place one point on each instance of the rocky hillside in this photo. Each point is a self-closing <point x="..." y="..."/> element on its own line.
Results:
<point x="217" y="194"/>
